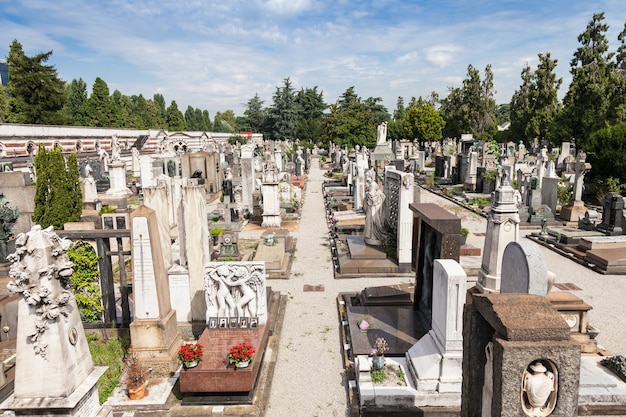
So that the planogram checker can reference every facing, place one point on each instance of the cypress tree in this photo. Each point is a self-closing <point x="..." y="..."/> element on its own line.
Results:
<point x="42" y="185"/>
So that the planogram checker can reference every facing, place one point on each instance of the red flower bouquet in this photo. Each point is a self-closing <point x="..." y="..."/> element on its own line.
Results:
<point x="190" y="354"/>
<point x="241" y="353"/>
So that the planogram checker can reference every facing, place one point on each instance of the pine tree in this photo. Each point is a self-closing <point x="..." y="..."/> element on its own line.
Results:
<point x="100" y="109"/>
<point x="587" y="100"/>
<point x="283" y="114"/>
<point x="36" y="92"/>
<point x="174" y="118"/>
<point x="75" y="202"/>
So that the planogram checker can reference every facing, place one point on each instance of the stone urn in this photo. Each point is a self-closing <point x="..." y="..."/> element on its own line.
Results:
<point x="538" y="390"/>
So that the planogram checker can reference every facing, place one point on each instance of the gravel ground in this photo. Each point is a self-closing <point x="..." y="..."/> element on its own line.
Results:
<point x="309" y="378"/>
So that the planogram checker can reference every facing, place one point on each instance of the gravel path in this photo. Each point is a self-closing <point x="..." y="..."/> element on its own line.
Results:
<point x="309" y="378"/>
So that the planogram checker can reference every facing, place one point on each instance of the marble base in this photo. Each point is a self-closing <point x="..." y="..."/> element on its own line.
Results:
<point x="83" y="402"/>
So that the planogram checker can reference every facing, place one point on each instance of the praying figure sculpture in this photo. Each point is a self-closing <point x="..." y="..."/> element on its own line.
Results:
<point x="381" y="137"/>
<point x="374" y="231"/>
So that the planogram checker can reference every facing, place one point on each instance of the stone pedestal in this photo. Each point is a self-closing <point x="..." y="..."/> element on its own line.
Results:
<point x="573" y="212"/>
<point x="117" y="176"/>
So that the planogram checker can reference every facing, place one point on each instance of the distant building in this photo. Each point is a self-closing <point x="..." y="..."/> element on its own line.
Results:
<point x="4" y="73"/>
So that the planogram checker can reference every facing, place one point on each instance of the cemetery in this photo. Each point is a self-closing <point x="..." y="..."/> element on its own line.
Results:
<point x="251" y="277"/>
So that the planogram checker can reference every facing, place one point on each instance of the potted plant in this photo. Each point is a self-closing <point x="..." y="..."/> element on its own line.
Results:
<point x="190" y="354"/>
<point x="135" y="377"/>
<point x="378" y="353"/>
<point x="241" y="354"/>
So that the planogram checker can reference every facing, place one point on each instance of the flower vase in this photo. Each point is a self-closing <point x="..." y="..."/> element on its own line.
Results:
<point x="242" y="364"/>
<point x="137" y="392"/>
<point x="189" y="365"/>
<point x="378" y="361"/>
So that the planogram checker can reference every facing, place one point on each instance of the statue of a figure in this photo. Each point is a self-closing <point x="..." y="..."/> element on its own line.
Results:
<point x="381" y="137"/>
<point x="115" y="149"/>
<point x="8" y="218"/>
<point x="373" y="232"/>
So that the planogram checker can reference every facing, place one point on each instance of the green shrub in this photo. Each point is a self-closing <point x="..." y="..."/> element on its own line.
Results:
<point x="217" y="231"/>
<point x="85" y="281"/>
<point x="106" y="210"/>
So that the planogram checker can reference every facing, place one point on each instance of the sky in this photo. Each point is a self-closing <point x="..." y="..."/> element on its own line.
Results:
<point x="216" y="55"/>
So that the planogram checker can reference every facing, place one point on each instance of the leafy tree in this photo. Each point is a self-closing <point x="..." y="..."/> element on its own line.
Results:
<point x="174" y="118"/>
<point x="480" y="104"/>
<point x="225" y="122"/>
<point x="606" y="151"/>
<point x="255" y="116"/>
<point x="76" y="100"/>
<point x="100" y="108"/>
<point x="535" y="106"/>
<point x="4" y="104"/>
<point x="159" y="100"/>
<point x="617" y="107"/>
<point x="311" y="106"/>
<point x="587" y="100"/>
<point x="283" y="114"/>
<point x="395" y="128"/>
<point x="503" y="113"/>
<point x="350" y="122"/>
<point x="85" y="281"/>
<point x="190" y="119"/>
<point x="57" y="196"/>
<point x="36" y="92"/>
<point x="423" y="123"/>
<point x="454" y="112"/>
<point x="206" y="121"/>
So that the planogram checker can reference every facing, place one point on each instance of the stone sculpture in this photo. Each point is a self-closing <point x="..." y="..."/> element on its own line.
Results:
<point x="235" y="290"/>
<point x="373" y="232"/>
<point x="8" y="218"/>
<point x="115" y="149"/>
<point x="539" y="389"/>
<point x="381" y="136"/>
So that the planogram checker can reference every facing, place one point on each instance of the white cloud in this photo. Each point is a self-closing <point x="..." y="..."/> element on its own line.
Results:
<point x="442" y="55"/>
<point x="286" y="6"/>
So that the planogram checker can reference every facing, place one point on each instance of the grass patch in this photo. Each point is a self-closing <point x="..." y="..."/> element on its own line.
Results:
<point x="378" y="375"/>
<point x="108" y="353"/>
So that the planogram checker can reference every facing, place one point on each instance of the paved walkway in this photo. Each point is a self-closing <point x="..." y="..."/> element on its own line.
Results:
<point x="309" y="378"/>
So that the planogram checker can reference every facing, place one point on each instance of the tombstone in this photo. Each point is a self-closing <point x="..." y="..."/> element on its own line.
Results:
<point x="399" y="189"/>
<point x="502" y="227"/>
<point x="563" y="154"/>
<point x="524" y="270"/>
<point x="576" y="207"/>
<point x="550" y="187"/>
<point x="421" y="161"/>
<point x="518" y="358"/>
<point x="374" y="232"/>
<point x="90" y="191"/>
<point x="435" y="361"/>
<point x="54" y="372"/>
<point x="359" y="183"/>
<point x="194" y="238"/>
<point x="612" y="215"/>
<point x="158" y="198"/>
<point x="436" y="235"/>
<point x="154" y="334"/>
<point x="228" y="248"/>
<point x="247" y="177"/>
<point x="147" y="174"/>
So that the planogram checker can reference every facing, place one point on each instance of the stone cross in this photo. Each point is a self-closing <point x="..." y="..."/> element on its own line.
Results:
<point x="580" y="168"/>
